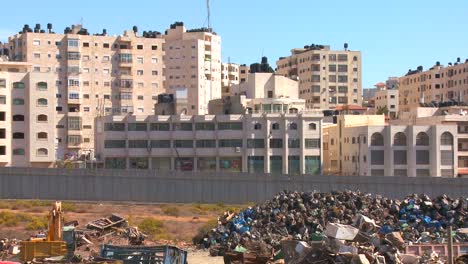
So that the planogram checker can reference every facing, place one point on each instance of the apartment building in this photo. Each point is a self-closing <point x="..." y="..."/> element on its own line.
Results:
<point x="365" y="145"/>
<point x="193" y="61"/>
<point x="244" y="71"/>
<point x="327" y="78"/>
<point x="256" y="143"/>
<point x="229" y="77"/>
<point x="386" y="101"/>
<point x="27" y="116"/>
<point x="90" y="76"/>
<point x="454" y="115"/>
<point x="438" y="84"/>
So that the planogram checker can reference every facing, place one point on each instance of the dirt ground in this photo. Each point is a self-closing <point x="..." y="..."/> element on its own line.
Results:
<point x="203" y="257"/>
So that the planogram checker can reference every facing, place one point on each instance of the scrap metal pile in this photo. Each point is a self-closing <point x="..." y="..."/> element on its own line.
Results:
<point x="339" y="227"/>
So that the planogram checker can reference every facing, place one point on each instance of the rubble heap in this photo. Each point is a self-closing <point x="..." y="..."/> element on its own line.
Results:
<point x="341" y="222"/>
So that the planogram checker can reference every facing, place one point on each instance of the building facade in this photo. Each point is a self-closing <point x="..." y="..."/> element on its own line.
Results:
<point x="457" y="116"/>
<point x="438" y="84"/>
<point x="90" y="76"/>
<point x="386" y="101"/>
<point x="244" y="71"/>
<point x="327" y="78"/>
<point x="364" y="145"/>
<point x="27" y="116"/>
<point x="193" y="61"/>
<point x="257" y="143"/>
<point x="229" y="77"/>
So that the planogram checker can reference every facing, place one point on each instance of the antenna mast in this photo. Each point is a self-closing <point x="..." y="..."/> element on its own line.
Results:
<point x="208" y="9"/>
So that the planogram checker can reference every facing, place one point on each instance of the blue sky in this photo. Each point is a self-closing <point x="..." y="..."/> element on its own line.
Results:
<point x="393" y="36"/>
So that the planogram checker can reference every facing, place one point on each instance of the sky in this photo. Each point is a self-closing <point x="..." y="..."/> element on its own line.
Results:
<point x="393" y="36"/>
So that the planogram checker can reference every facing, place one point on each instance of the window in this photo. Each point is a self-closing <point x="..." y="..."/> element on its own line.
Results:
<point x="140" y="60"/>
<point x="294" y="143"/>
<point x="125" y="58"/>
<point x="399" y="139"/>
<point x="377" y="172"/>
<point x="140" y="97"/>
<point x="182" y="127"/>
<point x="114" y="144"/>
<point x="275" y="126"/>
<point x="41" y="102"/>
<point x="73" y="95"/>
<point x="446" y="158"/>
<point x="18" y="118"/>
<point x="377" y="139"/>
<point x="255" y="143"/>
<point x="159" y="126"/>
<point x="312" y="126"/>
<point x="105" y="45"/>
<point x="73" y="43"/>
<point x="399" y="157"/>
<point x="293" y="126"/>
<point x="183" y="143"/>
<point x="446" y="139"/>
<point x="258" y="126"/>
<point x="74" y="56"/>
<point x="154" y="73"/>
<point x="18" y="101"/>
<point x="312" y="143"/>
<point x="230" y="126"/>
<point x="114" y="127"/>
<point x="2" y="150"/>
<point x="18" y="135"/>
<point x="154" y="60"/>
<point x="137" y="127"/>
<point x="160" y="143"/>
<point x="2" y="99"/>
<point x="423" y="173"/>
<point x="422" y="157"/>
<point x="42" y="135"/>
<point x="377" y="157"/>
<point x="205" y="126"/>
<point x="74" y="123"/>
<point x="154" y="47"/>
<point x="276" y="143"/>
<point x="276" y="164"/>
<point x="140" y="72"/>
<point x="73" y="82"/>
<point x="115" y="163"/>
<point x="206" y="143"/>
<point x="230" y="143"/>
<point x="138" y="143"/>
<point x="36" y="42"/>
<point x="422" y="139"/>
<point x="18" y="152"/>
<point x="42" y="152"/>
<point x="18" y="85"/>
<point x="139" y="163"/>
<point x="2" y="133"/>
<point x="2" y="83"/>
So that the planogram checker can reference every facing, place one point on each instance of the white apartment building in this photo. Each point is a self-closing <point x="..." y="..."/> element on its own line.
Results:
<point x="193" y="61"/>
<point x="365" y="145"/>
<point x="327" y="78"/>
<point x="256" y="143"/>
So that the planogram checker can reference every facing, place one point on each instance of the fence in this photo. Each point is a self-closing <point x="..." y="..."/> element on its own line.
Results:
<point x="175" y="187"/>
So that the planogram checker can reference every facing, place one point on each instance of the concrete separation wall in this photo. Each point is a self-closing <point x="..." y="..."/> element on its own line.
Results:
<point x="175" y="187"/>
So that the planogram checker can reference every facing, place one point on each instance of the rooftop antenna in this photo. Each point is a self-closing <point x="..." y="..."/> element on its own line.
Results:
<point x="81" y="21"/>
<point x="209" y="13"/>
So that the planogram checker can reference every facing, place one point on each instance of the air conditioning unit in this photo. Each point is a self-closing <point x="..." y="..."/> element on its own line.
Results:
<point x="238" y="149"/>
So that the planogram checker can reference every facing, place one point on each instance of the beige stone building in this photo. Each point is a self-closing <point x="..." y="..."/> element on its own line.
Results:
<point x="244" y="71"/>
<point x="386" y="99"/>
<point x="455" y="115"/>
<point x="258" y="143"/>
<point x="90" y="76"/>
<point x="327" y="78"/>
<point x="229" y="77"/>
<point x="27" y="116"/>
<point x="438" y="84"/>
<point x="365" y="145"/>
<point x="193" y="61"/>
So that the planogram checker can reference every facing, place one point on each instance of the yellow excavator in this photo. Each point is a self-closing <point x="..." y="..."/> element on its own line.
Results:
<point x="49" y="246"/>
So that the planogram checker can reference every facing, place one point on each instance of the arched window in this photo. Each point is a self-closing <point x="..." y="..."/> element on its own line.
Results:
<point x="41" y="86"/>
<point x="446" y="139"/>
<point x="18" y="85"/>
<point x="293" y="126"/>
<point x="42" y="135"/>
<point x="422" y="139"/>
<point x="275" y="126"/>
<point x="355" y="58"/>
<point x="18" y="135"/>
<point x="312" y="126"/>
<point x="377" y="139"/>
<point x="42" y="102"/>
<point x="18" y="101"/>
<point x="257" y="126"/>
<point x="42" y="118"/>
<point x="42" y="152"/>
<point x="399" y="139"/>
<point x="18" y="152"/>
<point x="18" y="118"/>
